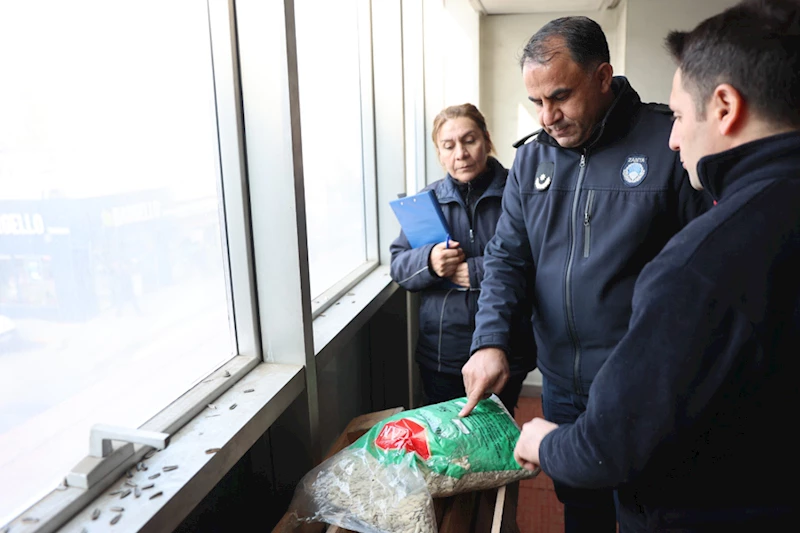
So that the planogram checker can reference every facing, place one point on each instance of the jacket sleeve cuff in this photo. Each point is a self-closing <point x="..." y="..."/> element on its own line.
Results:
<point x="550" y="459"/>
<point x="475" y="266"/>
<point x="425" y="251"/>
<point x="411" y="271"/>
<point x="492" y="340"/>
<point x="544" y="455"/>
<point x="567" y="459"/>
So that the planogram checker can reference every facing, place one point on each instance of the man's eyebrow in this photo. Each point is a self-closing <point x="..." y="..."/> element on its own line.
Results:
<point x="558" y="92"/>
<point x="555" y="94"/>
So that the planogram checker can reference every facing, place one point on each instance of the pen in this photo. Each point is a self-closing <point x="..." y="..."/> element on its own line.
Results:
<point x="447" y="241"/>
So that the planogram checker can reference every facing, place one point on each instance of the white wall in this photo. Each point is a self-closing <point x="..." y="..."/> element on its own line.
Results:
<point x="649" y="66"/>
<point x="452" y="64"/>
<point x="617" y="41"/>
<point x="509" y="113"/>
<point x="460" y="46"/>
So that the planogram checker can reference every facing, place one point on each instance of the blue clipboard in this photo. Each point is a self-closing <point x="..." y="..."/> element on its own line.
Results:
<point x="421" y="218"/>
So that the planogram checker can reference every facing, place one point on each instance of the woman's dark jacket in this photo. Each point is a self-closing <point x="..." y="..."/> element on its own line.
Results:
<point x="447" y="315"/>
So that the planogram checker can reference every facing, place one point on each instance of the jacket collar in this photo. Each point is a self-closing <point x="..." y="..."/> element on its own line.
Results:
<point x="447" y="190"/>
<point x="724" y="173"/>
<point x="617" y="120"/>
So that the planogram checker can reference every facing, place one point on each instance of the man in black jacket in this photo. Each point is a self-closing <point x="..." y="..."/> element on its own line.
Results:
<point x="692" y="415"/>
<point x="589" y="201"/>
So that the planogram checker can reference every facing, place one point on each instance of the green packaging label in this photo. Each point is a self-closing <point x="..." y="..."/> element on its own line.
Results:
<point x="444" y="443"/>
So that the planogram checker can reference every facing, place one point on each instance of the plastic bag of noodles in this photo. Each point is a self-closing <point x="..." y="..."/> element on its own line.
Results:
<point x="385" y="480"/>
<point x="355" y="491"/>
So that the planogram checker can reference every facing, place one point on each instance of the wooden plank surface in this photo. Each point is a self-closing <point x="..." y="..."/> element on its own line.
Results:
<point x="484" y="510"/>
<point x="505" y="509"/>
<point x="459" y="513"/>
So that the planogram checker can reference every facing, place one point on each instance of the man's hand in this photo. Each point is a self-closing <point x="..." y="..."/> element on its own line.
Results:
<point x="526" y="452"/>
<point x="485" y="372"/>
<point x="445" y="260"/>
<point x="461" y="275"/>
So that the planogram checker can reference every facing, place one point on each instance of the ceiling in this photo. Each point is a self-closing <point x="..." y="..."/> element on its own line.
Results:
<point x="508" y="7"/>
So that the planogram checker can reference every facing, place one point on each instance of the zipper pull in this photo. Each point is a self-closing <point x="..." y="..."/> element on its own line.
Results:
<point x="471" y="235"/>
<point x="587" y="213"/>
<point x="583" y="160"/>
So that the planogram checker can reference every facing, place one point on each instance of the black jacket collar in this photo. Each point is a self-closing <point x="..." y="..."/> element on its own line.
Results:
<point x="722" y="174"/>
<point x="448" y="189"/>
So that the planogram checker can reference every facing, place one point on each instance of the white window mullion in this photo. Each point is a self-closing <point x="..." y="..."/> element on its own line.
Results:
<point x="368" y="129"/>
<point x="234" y="186"/>
<point x="274" y="162"/>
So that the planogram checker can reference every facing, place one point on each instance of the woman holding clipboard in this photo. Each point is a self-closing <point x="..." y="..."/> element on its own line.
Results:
<point x="448" y="274"/>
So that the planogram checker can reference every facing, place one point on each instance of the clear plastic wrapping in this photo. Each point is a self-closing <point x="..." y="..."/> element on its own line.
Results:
<point x="355" y="491"/>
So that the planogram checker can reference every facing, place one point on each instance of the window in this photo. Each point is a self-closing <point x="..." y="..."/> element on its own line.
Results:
<point x="330" y="77"/>
<point x="113" y="287"/>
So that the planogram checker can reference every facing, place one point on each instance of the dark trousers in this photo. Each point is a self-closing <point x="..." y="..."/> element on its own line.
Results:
<point x="584" y="510"/>
<point x="440" y="387"/>
<point x="735" y="519"/>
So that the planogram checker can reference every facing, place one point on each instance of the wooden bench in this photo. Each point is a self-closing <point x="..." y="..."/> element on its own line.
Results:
<point x="487" y="511"/>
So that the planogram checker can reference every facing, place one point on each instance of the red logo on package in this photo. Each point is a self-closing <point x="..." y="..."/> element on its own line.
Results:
<point x="404" y="434"/>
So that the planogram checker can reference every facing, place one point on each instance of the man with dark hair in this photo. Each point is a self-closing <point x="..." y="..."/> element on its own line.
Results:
<point x="590" y="200"/>
<point x="692" y="415"/>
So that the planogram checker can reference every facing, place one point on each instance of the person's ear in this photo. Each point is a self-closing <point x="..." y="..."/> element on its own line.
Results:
<point x="726" y="108"/>
<point x="488" y="140"/>
<point x="605" y="75"/>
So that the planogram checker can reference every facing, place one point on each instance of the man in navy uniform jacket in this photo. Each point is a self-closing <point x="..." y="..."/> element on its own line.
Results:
<point x="692" y="417"/>
<point x="589" y="201"/>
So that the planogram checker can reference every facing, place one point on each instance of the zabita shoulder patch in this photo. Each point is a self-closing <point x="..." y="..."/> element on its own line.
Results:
<point x="634" y="170"/>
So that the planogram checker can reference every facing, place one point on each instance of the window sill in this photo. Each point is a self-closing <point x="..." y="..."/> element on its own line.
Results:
<point x="338" y="323"/>
<point x="230" y="432"/>
<point x="203" y="450"/>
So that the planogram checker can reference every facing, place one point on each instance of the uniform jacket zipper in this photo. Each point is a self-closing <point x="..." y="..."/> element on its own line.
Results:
<point x="571" y="328"/>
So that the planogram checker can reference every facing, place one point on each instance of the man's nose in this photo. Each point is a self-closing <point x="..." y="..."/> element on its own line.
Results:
<point x="551" y="114"/>
<point x="674" y="138"/>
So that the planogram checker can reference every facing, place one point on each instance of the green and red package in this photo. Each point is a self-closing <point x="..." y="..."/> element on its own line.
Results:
<point x="454" y="454"/>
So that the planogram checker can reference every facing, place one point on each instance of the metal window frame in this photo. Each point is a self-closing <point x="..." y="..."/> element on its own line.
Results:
<point x="237" y="222"/>
<point x="58" y="506"/>
<point x="271" y="111"/>
<point x="268" y="270"/>
<point x="369" y="169"/>
<point x="322" y="302"/>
